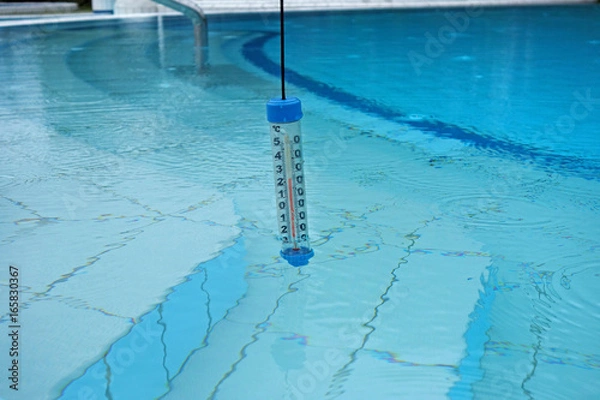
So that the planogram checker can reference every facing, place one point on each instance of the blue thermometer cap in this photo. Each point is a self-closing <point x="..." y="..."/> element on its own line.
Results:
<point x="281" y="111"/>
<point x="297" y="257"/>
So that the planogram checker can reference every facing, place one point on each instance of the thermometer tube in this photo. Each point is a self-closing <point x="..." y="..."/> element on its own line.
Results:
<point x="290" y="195"/>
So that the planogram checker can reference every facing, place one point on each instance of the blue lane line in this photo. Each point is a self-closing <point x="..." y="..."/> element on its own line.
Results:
<point x="476" y="336"/>
<point x="143" y="363"/>
<point x="254" y="52"/>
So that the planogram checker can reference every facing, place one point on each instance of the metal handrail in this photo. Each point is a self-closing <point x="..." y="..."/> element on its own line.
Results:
<point x="195" y="13"/>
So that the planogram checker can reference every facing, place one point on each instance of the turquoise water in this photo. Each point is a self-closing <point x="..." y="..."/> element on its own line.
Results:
<point x="506" y="75"/>
<point x="452" y="192"/>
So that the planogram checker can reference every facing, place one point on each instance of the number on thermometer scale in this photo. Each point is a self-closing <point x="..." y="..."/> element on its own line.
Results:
<point x="289" y="186"/>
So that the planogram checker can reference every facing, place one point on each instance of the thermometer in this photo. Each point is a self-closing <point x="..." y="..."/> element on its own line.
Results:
<point x="288" y="168"/>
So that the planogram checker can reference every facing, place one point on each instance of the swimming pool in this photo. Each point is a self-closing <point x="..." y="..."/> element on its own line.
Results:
<point x="453" y="192"/>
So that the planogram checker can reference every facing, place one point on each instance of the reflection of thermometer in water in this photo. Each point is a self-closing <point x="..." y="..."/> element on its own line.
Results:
<point x="290" y="194"/>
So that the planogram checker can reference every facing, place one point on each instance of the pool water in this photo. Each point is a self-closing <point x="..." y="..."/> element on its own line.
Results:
<point x="453" y="195"/>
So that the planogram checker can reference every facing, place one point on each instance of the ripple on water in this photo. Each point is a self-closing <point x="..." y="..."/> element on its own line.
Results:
<point x="414" y="173"/>
<point x="490" y="211"/>
<point x="577" y="284"/>
<point x="385" y="375"/>
<point x="553" y="332"/>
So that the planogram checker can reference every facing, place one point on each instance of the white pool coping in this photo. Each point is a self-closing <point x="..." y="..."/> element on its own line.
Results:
<point x="340" y="5"/>
<point x="37" y="8"/>
<point x="244" y="7"/>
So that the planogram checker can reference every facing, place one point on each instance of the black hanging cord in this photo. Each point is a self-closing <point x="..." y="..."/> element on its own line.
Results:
<point x="282" y="49"/>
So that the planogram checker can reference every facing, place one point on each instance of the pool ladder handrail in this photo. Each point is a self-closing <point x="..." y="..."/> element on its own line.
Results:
<point x="191" y="10"/>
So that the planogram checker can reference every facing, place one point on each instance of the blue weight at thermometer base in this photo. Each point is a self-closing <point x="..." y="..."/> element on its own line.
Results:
<point x="297" y="257"/>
